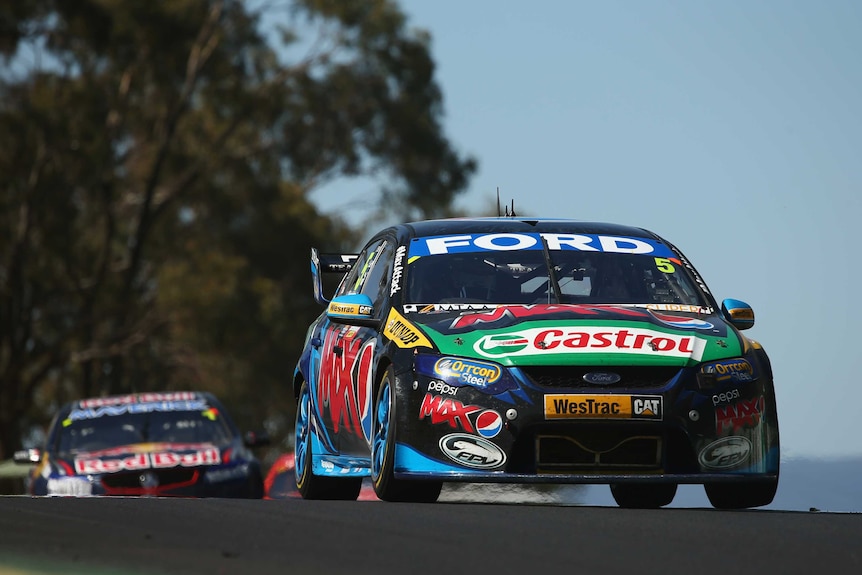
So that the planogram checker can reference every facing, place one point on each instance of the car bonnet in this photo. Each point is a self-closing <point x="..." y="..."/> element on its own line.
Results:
<point x="577" y="334"/>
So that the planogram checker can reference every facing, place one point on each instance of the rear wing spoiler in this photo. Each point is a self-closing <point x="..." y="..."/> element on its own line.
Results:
<point x="328" y="264"/>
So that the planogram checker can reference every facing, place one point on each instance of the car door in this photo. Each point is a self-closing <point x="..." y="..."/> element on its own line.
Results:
<point x="346" y="380"/>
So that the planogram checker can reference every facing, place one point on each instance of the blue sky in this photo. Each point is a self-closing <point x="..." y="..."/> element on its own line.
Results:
<point x="732" y="128"/>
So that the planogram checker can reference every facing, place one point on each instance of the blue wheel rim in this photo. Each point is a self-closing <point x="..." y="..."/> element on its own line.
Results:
<point x="381" y="432"/>
<point x="302" y="434"/>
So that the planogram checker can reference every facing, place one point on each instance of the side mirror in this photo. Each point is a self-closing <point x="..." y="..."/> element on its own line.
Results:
<point x="328" y="264"/>
<point x="352" y="309"/>
<point x="256" y="439"/>
<point x="738" y="313"/>
<point x="27" y="456"/>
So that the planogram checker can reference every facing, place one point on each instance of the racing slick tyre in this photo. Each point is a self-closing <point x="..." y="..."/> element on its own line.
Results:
<point x="740" y="495"/>
<point x="643" y="496"/>
<point x="313" y="486"/>
<point x="386" y="486"/>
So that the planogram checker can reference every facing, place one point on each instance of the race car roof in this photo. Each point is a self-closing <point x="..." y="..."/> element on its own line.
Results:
<point x="521" y="224"/>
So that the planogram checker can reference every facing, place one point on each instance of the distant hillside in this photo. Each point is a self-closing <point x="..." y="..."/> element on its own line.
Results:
<point x="826" y="485"/>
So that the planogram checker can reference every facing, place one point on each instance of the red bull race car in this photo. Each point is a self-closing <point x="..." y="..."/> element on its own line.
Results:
<point x="520" y="350"/>
<point x="149" y="444"/>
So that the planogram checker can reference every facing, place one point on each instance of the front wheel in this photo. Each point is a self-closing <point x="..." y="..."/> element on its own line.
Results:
<point x="643" y="496"/>
<point x="740" y="495"/>
<point x="313" y="486"/>
<point x="386" y="486"/>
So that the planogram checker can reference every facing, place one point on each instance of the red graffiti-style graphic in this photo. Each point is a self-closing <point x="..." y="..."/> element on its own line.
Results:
<point x="528" y="311"/>
<point x="447" y="410"/>
<point x="345" y="380"/>
<point x="744" y="413"/>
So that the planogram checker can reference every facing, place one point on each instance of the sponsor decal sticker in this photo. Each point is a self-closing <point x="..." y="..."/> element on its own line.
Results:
<point x="556" y="242"/>
<point x="489" y="423"/>
<point x="142" y="398"/>
<point x="397" y="270"/>
<point x="441" y="387"/>
<point x="725" y="453"/>
<point x="603" y="406"/>
<point x="158" y="460"/>
<point x="472" y="451"/>
<point x="111" y="410"/>
<point x="541" y="341"/>
<point x="447" y="410"/>
<point x="682" y="322"/>
<point x="679" y="307"/>
<point x="745" y="413"/>
<point x="444" y="307"/>
<point x="725" y="397"/>
<point x="349" y="309"/>
<point x="402" y="332"/>
<point x="732" y="370"/>
<point x="467" y="371"/>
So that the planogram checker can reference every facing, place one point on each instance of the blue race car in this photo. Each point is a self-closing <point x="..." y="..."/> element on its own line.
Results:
<point x="149" y="444"/>
<point x="525" y="350"/>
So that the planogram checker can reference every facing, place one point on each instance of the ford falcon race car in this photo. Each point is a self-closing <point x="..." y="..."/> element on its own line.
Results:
<point x="148" y="444"/>
<point x="531" y="351"/>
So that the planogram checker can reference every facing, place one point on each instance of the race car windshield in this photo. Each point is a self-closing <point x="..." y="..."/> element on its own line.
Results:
<point x="107" y="431"/>
<point x="522" y="277"/>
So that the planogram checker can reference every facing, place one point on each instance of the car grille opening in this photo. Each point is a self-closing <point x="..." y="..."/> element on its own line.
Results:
<point x="572" y="376"/>
<point x="560" y="454"/>
<point x="585" y="449"/>
<point x="166" y="478"/>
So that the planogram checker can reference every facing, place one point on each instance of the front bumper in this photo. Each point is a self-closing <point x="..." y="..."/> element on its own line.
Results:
<point x="508" y="432"/>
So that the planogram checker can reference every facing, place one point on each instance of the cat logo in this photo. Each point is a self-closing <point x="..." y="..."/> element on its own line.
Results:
<point x="647" y="406"/>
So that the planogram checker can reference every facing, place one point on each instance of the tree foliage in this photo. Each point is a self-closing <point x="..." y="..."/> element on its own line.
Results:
<point x="157" y="161"/>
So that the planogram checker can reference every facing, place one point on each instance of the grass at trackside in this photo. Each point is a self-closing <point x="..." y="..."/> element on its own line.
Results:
<point x="24" y="565"/>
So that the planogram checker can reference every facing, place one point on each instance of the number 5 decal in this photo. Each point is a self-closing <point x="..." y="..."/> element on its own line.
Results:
<point x="664" y="265"/>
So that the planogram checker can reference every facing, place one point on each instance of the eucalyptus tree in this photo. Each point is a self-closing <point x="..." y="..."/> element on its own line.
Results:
<point x="158" y="163"/>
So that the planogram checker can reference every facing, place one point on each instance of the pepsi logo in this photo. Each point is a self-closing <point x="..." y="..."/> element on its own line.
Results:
<point x="489" y="423"/>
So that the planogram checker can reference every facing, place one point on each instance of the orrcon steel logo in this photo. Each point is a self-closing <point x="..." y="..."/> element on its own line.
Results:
<point x="467" y="371"/>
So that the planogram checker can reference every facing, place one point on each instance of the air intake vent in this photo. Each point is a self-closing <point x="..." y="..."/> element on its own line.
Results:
<point x="561" y="454"/>
<point x="572" y="376"/>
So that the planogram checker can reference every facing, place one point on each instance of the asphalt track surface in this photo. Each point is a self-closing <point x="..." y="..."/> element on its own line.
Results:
<point x="143" y="536"/>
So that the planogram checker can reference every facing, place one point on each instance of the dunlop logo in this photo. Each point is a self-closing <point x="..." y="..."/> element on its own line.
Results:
<point x="403" y="333"/>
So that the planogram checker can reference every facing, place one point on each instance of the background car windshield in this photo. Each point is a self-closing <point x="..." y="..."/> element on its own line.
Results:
<point x="110" y="431"/>
<point x="521" y="277"/>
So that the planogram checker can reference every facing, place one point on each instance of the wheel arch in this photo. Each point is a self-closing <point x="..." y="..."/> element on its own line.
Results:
<point x="298" y="378"/>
